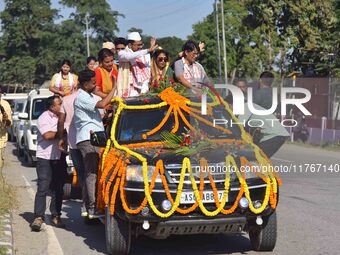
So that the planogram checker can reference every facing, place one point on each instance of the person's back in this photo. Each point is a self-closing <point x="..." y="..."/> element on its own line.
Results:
<point x="270" y="135"/>
<point x="264" y="95"/>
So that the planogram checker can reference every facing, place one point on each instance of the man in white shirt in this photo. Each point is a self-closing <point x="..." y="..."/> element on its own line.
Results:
<point x="134" y="66"/>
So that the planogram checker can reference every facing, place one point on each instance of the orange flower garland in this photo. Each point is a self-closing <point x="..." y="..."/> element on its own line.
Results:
<point x="177" y="104"/>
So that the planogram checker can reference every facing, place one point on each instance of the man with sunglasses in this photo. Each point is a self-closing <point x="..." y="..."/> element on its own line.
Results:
<point x="134" y="66"/>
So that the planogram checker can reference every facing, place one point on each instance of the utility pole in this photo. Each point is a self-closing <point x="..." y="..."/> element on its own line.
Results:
<point x="224" y="46"/>
<point x="87" y="34"/>
<point x="218" y="42"/>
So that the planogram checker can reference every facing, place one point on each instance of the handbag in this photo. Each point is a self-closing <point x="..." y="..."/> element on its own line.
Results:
<point x="98" y="139"/>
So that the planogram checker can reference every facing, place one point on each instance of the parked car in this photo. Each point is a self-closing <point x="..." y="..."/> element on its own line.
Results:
<point x="18" y="129"/>
<point x="19" y="106"/>
<point x="34" y="108"/>
<point x="131" y="155"/>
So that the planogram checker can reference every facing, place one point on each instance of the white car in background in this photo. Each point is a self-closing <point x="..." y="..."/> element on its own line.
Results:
<point x="18" y="129"/>
<point x="34" y="108"/>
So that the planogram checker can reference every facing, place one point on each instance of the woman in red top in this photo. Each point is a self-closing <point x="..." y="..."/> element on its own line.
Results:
<point x="106" y="73"/>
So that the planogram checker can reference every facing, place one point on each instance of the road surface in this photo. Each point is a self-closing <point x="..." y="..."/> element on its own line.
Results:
<point x="308" y="216"/>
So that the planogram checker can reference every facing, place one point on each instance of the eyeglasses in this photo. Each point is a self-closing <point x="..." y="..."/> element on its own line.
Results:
<point x="165" y="59"/>
<point x="195" y="53"/>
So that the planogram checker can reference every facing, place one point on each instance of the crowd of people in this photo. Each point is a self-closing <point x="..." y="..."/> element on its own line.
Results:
<point x="80" y="102"/>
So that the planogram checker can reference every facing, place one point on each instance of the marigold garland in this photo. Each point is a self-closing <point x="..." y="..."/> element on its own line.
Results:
<point x="176" y="104"/>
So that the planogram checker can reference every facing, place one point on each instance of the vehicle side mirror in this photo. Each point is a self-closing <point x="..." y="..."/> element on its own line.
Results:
<point x="98" y="139"/>
<point x="15" y="117"/>
<point x="23" y="116"/>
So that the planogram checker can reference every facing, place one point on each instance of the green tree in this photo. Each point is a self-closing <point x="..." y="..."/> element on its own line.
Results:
<point x="25" y="26"/>
<point x="282" y="35"/>
<point x="102" y="20"/>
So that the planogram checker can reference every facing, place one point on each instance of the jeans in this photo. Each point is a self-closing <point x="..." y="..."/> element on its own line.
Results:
<point x="271" y="146"/>
<point x="90" y="156"/>
<point x="78" y="163"/>
<point x="51" y="177"/>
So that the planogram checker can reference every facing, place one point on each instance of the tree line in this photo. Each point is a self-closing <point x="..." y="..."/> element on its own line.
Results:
<point x="279" y="35"/>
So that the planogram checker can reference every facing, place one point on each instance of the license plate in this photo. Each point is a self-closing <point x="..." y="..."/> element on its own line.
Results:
<point x="188" y="197"/>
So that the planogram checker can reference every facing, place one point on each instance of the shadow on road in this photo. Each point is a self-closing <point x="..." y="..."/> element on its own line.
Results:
<point x="92" y="232"/>
<point x="94" y="237"/>
<point x="194" y="244"/>
<point x="27" y="216"/>
<point x="23" y="162"/>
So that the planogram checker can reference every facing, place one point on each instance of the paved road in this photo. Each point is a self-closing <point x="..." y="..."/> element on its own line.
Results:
<point x="308" y="216"/>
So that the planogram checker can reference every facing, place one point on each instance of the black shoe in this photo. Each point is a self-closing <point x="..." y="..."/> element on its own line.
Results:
<point x="56" y="222"/>
<point x="36" y="224"/>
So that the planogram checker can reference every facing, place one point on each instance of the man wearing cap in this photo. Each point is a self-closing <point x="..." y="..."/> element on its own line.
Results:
<point x="134" y="66"/>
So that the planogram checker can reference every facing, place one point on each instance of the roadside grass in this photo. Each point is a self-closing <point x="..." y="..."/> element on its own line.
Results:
<point x="7" y="202"/>
<point x="325" y="146"/>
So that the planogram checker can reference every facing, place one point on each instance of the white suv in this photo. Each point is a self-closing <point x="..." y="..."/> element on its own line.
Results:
<point x="34" y="108"/>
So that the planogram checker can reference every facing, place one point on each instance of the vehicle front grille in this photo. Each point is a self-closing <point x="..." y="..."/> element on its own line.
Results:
<point x="189" y="227"/>
<point x="217" y="171"/>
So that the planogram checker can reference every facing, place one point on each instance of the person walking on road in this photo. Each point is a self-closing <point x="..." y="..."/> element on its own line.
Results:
<point x="87" y="119"/>
<point x="51" y="171"/>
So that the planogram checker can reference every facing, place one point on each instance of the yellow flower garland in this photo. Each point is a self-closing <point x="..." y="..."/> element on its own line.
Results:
<point x="176" y="104"/>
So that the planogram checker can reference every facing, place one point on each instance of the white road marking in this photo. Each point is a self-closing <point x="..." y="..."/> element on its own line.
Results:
<point x="283" y="160"/>
<point x="53" y="246"/>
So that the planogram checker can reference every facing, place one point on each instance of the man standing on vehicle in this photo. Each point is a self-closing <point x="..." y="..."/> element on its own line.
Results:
<point x="51" y="171"/>
<point x="134" y="66"/>
<point x="87" y="119"/>
<point x="5" y="122"/>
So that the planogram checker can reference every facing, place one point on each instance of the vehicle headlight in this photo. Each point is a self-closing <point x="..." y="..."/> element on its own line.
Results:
<point x="34" y="130"/>
<point x="135" y="173"/>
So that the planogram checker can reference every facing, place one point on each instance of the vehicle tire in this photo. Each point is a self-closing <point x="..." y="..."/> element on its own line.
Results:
<point x="118" y="234"/>
<point x="263" y="238"/>
<point x="67" y="191"/>
<point x="20" y="152"/>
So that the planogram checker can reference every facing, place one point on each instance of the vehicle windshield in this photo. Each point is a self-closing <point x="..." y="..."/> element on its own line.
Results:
<point x="133" y="124"/>
<point x="19" y="107"/>
<point x="38" y="107"/>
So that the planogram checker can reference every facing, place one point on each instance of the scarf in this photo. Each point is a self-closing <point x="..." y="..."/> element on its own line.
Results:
<point x="192" y="74"/>
<point x="123" y="83"/>
<point x="106" y="80"/>
<point x="140" y="71"/>
<point x="155" y="71"/>
<point x="59" y="84"/>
